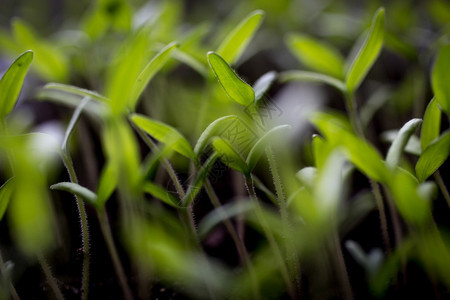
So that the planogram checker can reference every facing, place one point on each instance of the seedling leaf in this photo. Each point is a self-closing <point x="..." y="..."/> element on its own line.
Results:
<point x="212" y="130"/>
<point x="433" y="157"/>
<point x="400" y="141"/>
<point x="431" y="124"/>
<point x="312" y="77"/>
<point x="75" y="117"/>
<point x="367" y="54"/>
<point x="70" y="187"/>
<point x="107" y="183"/>
<point x="263" y="84"/>
<point x="230" y="156"/>
<point x="149" y="72"/>
<point x="165" y="134"/>
<point x="11" y="82"/>
<point x="439" y="78"/>
<point x="316" y="55"/>
<point x="6" y="191"/>
<point x="237" y="40"/>
<point x="76" y="90"/>
<point x="161" y="194"/>
<point x="235" y="87"/>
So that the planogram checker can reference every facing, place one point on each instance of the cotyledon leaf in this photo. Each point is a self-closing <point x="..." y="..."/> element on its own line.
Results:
<point x="161" y="194"/>
<point x="76" y="90"/>
<point x="237" y="40"/>
<point x="230" y="156"/>
<point x="213" y="129"/>
<point x="312" y="77"/>
<point x="431" y="124"/>
<point x="11" y="82"/>
<point x="439" y="78"/>
<point x="5" y="195"/>
<point x="367" y="54"/>
<point x="70" y="187"/>
<point x="263" y="84"/>
<point x="235" y="87"/>
<point x="165" y="134"/>
<point x="433" y="157"/>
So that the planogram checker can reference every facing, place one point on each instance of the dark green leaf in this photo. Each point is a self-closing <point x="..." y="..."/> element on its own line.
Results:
<point x="396" y="149"/>
<point x="367" y="54"/>
<point x="431" y="124"/>
<point x="439" y="78"/>
<point x="237" y="40"/>
<point x="235" y="87"/>
<point x="165" y="134"/>
<point x="11" y="82"/>
<point x="316" y="55"/>
<point x="433" y="157"/>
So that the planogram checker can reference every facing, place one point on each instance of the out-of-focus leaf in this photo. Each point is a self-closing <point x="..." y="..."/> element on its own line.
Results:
<point x="165" y="134"/>
<point x="370" y="262"/>
<point x="235" y="87"/>
<point x="433" y="157"/>
<point x="396" y="149"/>
<point x="321" y="150"/>
<point x="11" y="82"/>
<point x="213" y="129"/>
<point x="431" y="124"/>
<point x="6" y="191"/>
<point x="263" y="84"/>
<point x="412" y="146"/>
<point x="316" y="55"/>
<point x="191" y="61"/>
<point x="411" y="206"/>
<point x="76" y="90"/>
<point x="307" y="176"/>
<point x="70" y="187"/>
<point x="106" y="185"/>
<point x="237" y="40"/>
<point x="367" y="54"/>
<point x="312" y="77"/>
<point x="439" y="76"/>
<point x="75" y="117"/>
<point x="149" y="71"/>
<point x="49" y="61"/>
<point x="161" y="194"/>
<point x="375" y="101"/>
<point x="259" y="147"/>
<point x="230" y="156"/>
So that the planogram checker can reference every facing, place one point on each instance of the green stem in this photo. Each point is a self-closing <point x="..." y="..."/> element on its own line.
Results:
<point x="270" y="237"/>
<point x="239" y="243"/>
<point x="8" y="282"/>
<point x="345" y="280"/>
<point x="442" y="187"/>
<point x="107" y="234"/>
<point x="68" y="163"/>
<point x="50" y="279"/>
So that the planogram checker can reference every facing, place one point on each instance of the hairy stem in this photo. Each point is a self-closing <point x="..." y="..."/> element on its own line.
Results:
<point x="68" y="163"/>
<point x="50" y="279"/>
<point x="270" y="237"/>
<point x="342" y="269"/>
<point x="107" y="234"/>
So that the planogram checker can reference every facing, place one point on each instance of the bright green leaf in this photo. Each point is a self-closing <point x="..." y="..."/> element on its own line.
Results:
<point x="165" y="134"/>
<point x="439" y="78"/>
<point x="161" y="194"/>
<point x="396" y="149"/>
<point x="367" y="54"/>
<point x="433" y="157"/>
<point x="316" y="55"/>
<point x="234" y="86"/>
<point x="149" y="72"/>
<point x="6" y="191"/>
<point x="431" y="124"/>
<point x="229" y="156"/>
<point x="213" y="129"/>
<point x="11" y="82"/>
<point x="320" y="151"/>
<point x="237" y="40"/>
<point x="312" y="77"/>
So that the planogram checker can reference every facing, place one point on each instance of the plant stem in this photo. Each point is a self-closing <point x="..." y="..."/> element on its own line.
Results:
<point x="239" y="243"/>
<point x="442" y="187"/>
<point x="50" y="279"/>
<point x="345" y="280"/>
<point x="9" y="284"/>
<point x="270" y="237"/>
<point x="68" y="163"/>
<point x="107" y="234"/>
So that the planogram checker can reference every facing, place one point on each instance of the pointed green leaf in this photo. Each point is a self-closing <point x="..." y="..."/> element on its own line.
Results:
<point x="70" y="187"/>
<point x="106" y="185"/>
<point x="260" y="146"/>
<point x="11" y="82"/>
<point x="367" y="54"/>
<point x="213" y="129"/>
<point x="431" y="124"/>
<point x="165" y="134"/>
<point x="229" y="156"/>
<point x="263" y="84"/>
<point x="312" y="77"/>
<point x="161" y="194"/>
<point x="149" y="71"/>
<point x="439" y="78"/>
<point x="433" y="157"/>
<point x="412" y="146"/>
<point x="73" y="121"/>
<point x="235" y="87"/>
<point x="320" y="151"/>
<point x="396" y="149"/>
<point x="316" y="55"/>
<point x="6" y="191"/>
<point x="237" y="40"/>
<point x="76" y="90"/>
